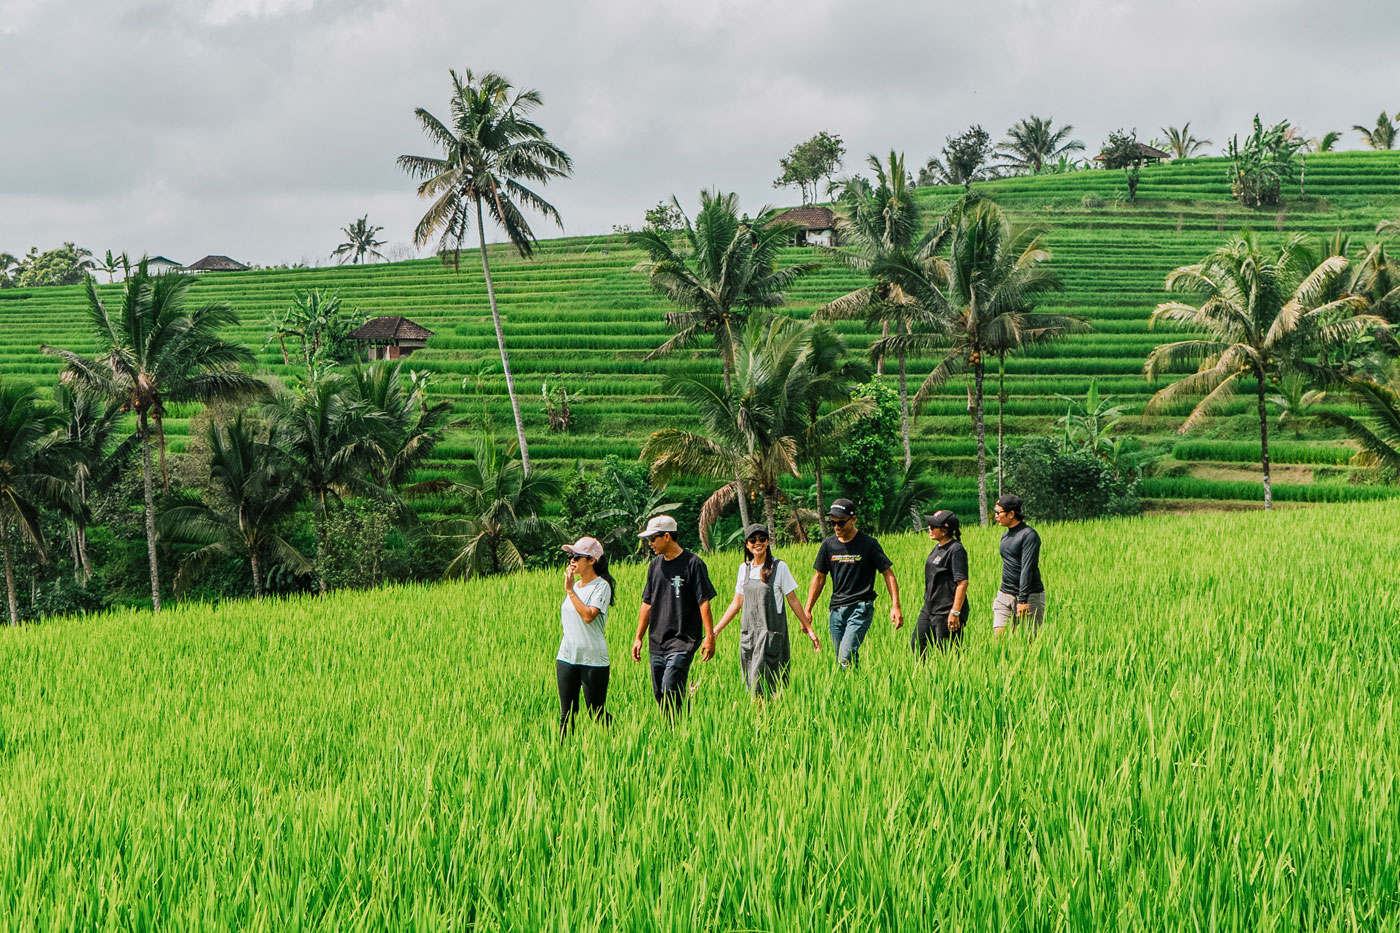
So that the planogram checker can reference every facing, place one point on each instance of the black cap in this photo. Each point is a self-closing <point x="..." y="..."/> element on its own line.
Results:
<point x="1013" y="504"/>
<point x="756" y="528"/>
<point x="941" y="519"/>
<point x="841" y="508"/>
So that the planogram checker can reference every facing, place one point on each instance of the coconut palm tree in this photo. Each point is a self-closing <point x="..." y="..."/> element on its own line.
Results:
<point x="725" y="271"/>
<point x="491" y="150"/>
<point x="153" y="350"/>
<point x="503" y="505"/>
<point x="359" y="242"/>
<point x="1032" y="142"/>
<point x="1263" y="315"/>
<point x="830" y="375"/>
<point x="406" y="427"/>
<point x="1327" y="142"/>
<point x="90" y="424"/>
<point x="981" y="297"/>
<point x="1181" y="143"/>
<point x="33" y="471"/>
<point x="253" y="487"/>
<point x="1380" y="437"/>
<point x="1380" y="136"/>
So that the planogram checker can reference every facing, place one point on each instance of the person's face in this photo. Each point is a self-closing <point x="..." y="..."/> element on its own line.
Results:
<point x="938" y="534"/>
<point x="659" y="541"/>
<point x="841" y="524"/>
<point x="758" y="544"/>
<point x="1004" y="517"/>
<point x="578" y="563"/>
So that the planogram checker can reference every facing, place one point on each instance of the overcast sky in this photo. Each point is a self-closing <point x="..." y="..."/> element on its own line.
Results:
<point x="257" y="128"/>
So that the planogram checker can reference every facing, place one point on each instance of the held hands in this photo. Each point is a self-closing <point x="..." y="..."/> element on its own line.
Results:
<point x="816" y="642"/>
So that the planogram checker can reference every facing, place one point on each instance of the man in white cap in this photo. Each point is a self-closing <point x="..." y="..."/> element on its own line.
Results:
<point x="676" y="607"/>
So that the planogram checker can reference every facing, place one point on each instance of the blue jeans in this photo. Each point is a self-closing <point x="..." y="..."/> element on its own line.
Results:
<point x="849" y="624"/>
<point x="669" y="673"/>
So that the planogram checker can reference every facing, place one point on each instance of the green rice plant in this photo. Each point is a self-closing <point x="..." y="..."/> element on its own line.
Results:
<point x="1246" y="452"/>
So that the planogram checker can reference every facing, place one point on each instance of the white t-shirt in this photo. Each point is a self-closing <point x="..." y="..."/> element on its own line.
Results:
<point x="583" y="642"/>
<point x="783" y="577"/>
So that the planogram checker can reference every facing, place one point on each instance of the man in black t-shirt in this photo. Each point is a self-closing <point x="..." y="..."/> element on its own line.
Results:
<point x="852" y="558"/>
<point x="676" y="607"/>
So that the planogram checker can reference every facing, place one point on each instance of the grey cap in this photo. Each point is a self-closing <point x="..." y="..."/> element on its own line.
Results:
<point x="754" y="529"/>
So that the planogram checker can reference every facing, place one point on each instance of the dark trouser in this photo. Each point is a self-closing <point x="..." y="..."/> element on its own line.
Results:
<point x="669" y="673"/>
<point x="933" y="628"/>
<point x="591" y="681"/>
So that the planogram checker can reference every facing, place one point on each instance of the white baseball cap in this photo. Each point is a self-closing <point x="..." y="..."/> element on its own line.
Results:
<point x="658" y="524"/>
<point x="588" y="547"/>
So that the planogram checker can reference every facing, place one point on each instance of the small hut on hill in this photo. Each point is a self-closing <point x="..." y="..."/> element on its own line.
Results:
<point x="391" y="338"/>
<point x="1147" y="155"/>
<point x="216" y="264"/>
<point x="816" y="226"/>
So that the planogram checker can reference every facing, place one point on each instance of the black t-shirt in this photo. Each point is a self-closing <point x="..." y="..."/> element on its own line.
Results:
<point x="945" y="567"/>
<point x="853" y="565"/>
<point x="674" y="590"/>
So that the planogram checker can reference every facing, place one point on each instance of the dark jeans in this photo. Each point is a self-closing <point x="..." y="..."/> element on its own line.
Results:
<point x="669" y="673"/>
<point x="576" y="678"/>
<point x="933" y="628"/>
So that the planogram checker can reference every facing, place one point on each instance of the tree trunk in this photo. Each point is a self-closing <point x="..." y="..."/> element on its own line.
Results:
<point x="1001" y="414"/>
<point x="257" y="574"/>
<point x="728" y="378"/>
<point x="742" y="496"/>
<point x="164" y="473"/>
<point x="501" y="342"/>
<point x="770" y="513"/>
<point x="282" y="342"/>
<point x="880" y="363"/>
<point x="322" y="546"/>
<point x="821" y="504"/>
<point x="1264" y="448"/>
<point x="9" y="571"/>
<point x="80" y="540"/>
<point x="144" y="428"/>
<point x="979" y="369"/>
<point x="904" y="411"/>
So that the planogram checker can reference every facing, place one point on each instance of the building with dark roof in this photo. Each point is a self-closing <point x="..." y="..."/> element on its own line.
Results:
<point x="1149" y="155"/>
<point x="816" y="226"/>
<point x="216" y="264"/>
<point x="390" y="338"/>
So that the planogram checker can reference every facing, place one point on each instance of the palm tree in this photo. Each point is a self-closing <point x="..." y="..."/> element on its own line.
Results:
<point x="254" y="486"/>
<point x="33" y="472"/>
<point x="1380" y="136"/>
<point x="1034" y="141"/>
<point x="152" y="351"/>
<point x="1263" y="317"/>
<point x="10" y="265"/>
<point x="1327" y="142"/>
<point x="359" y="242"/>
<point x="333" y="437"/>
<point x="981" y="297"/>
<point x="90" y="423"/>
<point x="831" y="373"/>
<point x="503" y="504"/>
<point x="1380" y="439"/>
<point x="1181" y="143"/>
<point x="726" y="271"/>
<point x="490" y="149"/>
<point x="406" y="427"/>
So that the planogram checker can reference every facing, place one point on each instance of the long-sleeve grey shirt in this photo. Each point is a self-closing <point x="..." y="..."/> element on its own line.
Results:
<point x="1020" y="562"/>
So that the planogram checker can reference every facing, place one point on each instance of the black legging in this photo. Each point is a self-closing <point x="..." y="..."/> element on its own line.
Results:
<point x="573" y="678"/>
<point x="932" y="628"/>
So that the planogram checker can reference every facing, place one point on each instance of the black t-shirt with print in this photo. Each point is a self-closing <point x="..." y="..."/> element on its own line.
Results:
<point x="852" y="565"/>
<point x="945" y="568"/>
<point x="674" y="590"/>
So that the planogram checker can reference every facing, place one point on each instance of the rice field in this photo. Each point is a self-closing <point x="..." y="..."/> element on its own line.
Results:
<point x="1203" y="737"/>
<point x="577" y="316"/>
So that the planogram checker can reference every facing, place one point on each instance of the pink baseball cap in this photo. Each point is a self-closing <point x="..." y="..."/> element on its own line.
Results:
<point x="588" y="547"/>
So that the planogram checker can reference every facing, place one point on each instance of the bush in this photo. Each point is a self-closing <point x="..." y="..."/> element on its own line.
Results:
<point x="1092" y="202"/>
<point x="1059" y="484"/>
<point x="870" y="459"/>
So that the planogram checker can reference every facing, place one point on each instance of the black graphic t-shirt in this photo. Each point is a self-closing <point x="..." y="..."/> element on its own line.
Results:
<point x="945" y="568"/>
<point x="674" y="590"/>
<point x="852" y="565"/>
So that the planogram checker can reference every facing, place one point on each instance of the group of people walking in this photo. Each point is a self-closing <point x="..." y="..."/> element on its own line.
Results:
<point x="676" y="623"/>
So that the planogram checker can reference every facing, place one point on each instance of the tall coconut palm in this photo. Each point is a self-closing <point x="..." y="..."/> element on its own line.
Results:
<point x="982" y="294"/>
<point x="490" y="150"/>
<point x="33" y="472"/>
<point x="253" y="487"/>
<point x="830" y="375"/>
<point x="1181" y="143"/>
<point x="502" y="505"/>
<point x="725" y="271"/>
<point x="153" y="350"/>
<point x="90" y="425"/>
<point x="1263" y="315"/>
<point x="1380" y="136"/>
<point x="1032" y="142"/>
<point x="359" y="242"/>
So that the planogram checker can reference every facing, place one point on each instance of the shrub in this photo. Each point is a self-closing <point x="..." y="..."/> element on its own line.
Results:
<point x="867" y="473"/>
<point x="1061" y="484"/>
<point x="1092" y="202"/>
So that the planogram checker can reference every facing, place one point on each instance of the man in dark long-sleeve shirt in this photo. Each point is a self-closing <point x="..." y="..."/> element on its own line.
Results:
<point x="1022" y="595"/>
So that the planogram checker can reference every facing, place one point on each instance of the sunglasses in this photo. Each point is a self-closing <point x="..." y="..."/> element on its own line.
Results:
<point x="759" y="539"/>
<point x="573" y="557"/>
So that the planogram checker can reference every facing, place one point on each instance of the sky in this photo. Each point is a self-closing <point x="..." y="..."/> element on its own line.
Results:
<point x="259" y="128"/>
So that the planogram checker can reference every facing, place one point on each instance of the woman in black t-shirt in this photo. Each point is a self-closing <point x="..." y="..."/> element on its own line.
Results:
<point x="945" y="585"/>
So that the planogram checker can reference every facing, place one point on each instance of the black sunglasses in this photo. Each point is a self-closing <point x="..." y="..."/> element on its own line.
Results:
<point x="759" y="539"/>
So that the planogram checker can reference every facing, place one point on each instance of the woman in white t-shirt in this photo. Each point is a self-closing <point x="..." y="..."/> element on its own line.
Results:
<point x="763" y="584"/>
<point x="582" y="665"/>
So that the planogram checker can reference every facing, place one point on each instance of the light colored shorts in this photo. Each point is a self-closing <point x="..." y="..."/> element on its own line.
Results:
<point x="1004" y="610"/>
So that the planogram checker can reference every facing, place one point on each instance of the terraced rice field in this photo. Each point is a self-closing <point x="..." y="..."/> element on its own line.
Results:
<point x="1203" y="737"/>
<point x="578" y="316"/>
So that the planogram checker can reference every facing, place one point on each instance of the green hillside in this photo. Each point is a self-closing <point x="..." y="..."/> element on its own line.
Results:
<point x="577" y="316"/>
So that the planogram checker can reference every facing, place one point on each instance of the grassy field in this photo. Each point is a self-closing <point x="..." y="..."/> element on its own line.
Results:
<point x="1204" y="737"/>
<point x="579" y="317"/>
